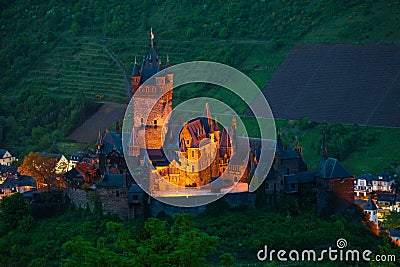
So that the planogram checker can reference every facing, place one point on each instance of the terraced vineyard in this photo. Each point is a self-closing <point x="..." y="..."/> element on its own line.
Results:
<point x="80" y="67"/>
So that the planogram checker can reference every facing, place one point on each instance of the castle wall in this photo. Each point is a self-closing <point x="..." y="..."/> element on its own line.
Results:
<point x="112" y="202"/>
<point x="81" y="198"/>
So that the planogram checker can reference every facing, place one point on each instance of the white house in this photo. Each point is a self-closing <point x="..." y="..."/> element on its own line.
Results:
<point x="368" y="183"/>
<point x="372" y="210"/>
<point x="63" y="165"/>
<point x="6" y="158"/>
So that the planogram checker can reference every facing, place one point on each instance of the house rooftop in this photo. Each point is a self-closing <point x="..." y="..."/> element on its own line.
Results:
<point x="111" y="180"/>
<point x="12" y="169"/>
<point x="383" y="176"/>
<point x="369" y="205"/>
<point x="2" y="152"/>
<point x="386" y="197"/>
<point x="333" y="169"/>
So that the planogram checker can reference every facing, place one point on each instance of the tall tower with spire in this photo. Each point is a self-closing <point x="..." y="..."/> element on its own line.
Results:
<point x="150" y="130"/>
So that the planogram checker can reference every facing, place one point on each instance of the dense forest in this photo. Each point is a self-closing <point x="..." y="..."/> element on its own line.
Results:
<point x="58" y="234"/>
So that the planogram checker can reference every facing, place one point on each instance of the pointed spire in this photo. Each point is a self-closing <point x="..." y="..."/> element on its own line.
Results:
<point x="182" y="147"/>
<point x="216" y="128"/>
<point x="298" y="148"/>
<point x="159" y="65"/>
<point x="207" y="114"/>
<point x="99" y="140"/>
<point x="168" y="63"/>
<point x="151" y="36"/>
<point x="233" y="132"/>
<point x="135" y="70"/>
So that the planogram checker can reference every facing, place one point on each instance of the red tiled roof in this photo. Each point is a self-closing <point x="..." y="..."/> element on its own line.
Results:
<point x="84" y="167"/>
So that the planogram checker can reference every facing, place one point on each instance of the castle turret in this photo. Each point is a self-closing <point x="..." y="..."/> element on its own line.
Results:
<point x="135" y="77"/>
<point x="101" y="153"/>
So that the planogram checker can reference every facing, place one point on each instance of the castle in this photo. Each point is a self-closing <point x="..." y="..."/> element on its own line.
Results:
<point x="205" y="147"/>
<point x="204" y="153"/>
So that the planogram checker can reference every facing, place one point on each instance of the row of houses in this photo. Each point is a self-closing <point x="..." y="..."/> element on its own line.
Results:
<point x="13" y="182"/>
<point x="367" y="183"/>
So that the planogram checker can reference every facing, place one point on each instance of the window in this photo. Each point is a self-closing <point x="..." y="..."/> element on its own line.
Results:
<point x="192" y="168"/>
<point x="117" y="193"/>
<point x="141" y="120"/>
<point x="155" y="123"/>
<point x="192" y="154"/>
<point x="135" y="197"/>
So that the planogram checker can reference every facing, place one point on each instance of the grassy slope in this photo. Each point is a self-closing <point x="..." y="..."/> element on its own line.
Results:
<point x="383" y="154"/>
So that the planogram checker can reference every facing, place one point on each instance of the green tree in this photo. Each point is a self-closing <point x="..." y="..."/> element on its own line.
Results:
<point x="13" y="209"/>
<point x="392" y="220"/>
<point x="227" y="259"/>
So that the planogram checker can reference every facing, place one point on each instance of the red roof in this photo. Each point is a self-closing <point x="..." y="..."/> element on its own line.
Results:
<point x="84" y="168"/>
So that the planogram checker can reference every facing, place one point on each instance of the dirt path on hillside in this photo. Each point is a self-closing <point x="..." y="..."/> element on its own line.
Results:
<point x="107" y="115"/>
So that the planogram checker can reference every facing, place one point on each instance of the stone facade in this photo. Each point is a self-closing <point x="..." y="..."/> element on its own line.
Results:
<point x="113" y="200"/>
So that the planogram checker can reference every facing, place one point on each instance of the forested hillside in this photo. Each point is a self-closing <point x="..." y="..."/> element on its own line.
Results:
<point x="56" y="49"/>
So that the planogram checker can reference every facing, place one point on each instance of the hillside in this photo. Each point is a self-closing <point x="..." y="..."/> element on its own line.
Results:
<point x="58" y="50"/>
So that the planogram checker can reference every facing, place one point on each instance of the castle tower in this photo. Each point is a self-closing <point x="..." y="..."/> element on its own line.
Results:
<point x="101" y="153"/>
<point x="135" y="77"/>
<point x="149" y="130"/>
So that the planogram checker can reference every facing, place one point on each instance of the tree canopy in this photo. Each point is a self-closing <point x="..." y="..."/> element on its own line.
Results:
<point x="41" y="167"/>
